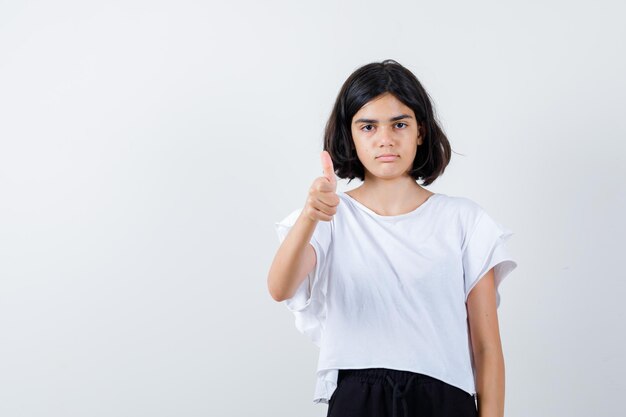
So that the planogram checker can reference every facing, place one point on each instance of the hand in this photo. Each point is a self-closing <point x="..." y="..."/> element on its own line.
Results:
<point x="323" y="200"/>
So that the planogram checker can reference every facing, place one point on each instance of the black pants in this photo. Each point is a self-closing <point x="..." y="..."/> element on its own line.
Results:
<point x="381" y="392"/>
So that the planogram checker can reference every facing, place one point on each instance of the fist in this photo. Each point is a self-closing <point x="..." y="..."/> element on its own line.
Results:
<point x="323" y="200"/>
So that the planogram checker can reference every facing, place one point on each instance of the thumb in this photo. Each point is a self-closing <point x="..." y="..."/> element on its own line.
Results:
<point x="327" y="165"/>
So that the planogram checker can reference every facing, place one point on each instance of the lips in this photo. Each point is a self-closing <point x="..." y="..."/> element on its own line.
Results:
<point x="386" y="154"/>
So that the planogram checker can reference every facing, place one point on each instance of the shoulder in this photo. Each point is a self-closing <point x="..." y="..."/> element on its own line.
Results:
<point x="465" y="208"/>
<point x="463" y="213"/>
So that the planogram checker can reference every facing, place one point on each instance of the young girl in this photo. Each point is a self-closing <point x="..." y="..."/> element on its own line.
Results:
<point x="397" y="285"/>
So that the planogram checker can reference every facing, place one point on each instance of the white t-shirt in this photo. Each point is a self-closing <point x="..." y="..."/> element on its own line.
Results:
<point x="390" y="291"/>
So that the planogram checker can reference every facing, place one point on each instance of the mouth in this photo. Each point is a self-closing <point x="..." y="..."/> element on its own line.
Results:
<point x="387" y="157"/>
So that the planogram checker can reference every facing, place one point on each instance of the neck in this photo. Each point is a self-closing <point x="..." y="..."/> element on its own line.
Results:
<point x="391" y="196"/>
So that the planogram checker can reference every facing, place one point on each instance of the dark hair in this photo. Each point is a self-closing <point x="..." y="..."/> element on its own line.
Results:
<point x="363" y="85"/>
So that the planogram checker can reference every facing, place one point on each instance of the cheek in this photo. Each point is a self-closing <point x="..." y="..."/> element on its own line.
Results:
<point x="358" y="142"/>
<point x="358" y="137"/>
<point x="412" y="139"/>
<point x="413" y="133"/>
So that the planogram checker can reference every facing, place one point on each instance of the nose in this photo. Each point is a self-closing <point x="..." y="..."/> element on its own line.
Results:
<point x="386" y="136"/>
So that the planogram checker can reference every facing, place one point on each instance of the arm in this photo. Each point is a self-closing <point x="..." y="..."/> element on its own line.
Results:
<point x="486" y="347"/>
<point x="293" y="261"/>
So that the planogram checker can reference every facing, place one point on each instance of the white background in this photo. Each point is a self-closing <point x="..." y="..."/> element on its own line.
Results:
<point x="147" y="148"/>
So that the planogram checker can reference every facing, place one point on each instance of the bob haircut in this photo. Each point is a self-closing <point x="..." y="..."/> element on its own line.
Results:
<point x="369" y="82"/>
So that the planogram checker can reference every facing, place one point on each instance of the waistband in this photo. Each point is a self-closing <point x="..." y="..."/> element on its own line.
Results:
<point x="377" y="375"/>
<point x="401" y="381"/>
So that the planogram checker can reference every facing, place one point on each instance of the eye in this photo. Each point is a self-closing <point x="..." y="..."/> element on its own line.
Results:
<point x="367" y="130"/>
<point x="400" y="123"/>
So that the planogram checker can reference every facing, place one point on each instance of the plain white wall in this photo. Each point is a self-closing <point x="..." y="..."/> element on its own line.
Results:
<point x="148" y="147"/>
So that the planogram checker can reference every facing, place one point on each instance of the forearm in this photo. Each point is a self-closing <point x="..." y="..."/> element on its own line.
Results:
<point x="489" y="366"/>
<point x="290" y="265"/>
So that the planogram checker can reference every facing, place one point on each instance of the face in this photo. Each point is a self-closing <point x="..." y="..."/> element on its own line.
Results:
<point x="383" y="126"/>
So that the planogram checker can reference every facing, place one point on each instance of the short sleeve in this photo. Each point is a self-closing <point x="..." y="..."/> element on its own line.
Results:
<point x="486" y="249"/>
<point x="308" y="303"/>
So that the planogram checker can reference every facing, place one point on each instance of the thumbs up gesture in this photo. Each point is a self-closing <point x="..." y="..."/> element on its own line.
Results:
<point x="323" y="200"/>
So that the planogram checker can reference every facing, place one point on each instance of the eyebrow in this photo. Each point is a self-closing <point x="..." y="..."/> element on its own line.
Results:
<point x="393" y="119"/>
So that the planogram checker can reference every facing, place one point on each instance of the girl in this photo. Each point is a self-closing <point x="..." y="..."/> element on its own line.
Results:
<point x="397" y="285"/>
